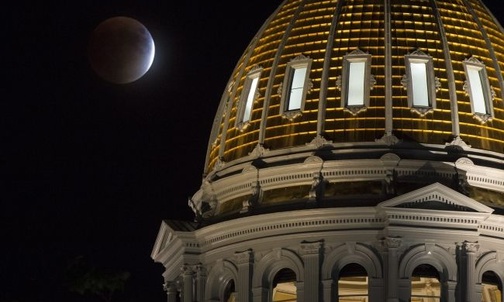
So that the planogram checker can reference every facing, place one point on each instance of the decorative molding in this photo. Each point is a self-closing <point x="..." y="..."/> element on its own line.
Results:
<point x="483" y="118"/>
<point x="170" y="287"/>
<point x="464" y="161"/>
<point x="388" y="139"/>
<point x="310" y="248"/>
<point x="457" y="142"/>
<point x="244" y="257"/>
<point x="243" y="126"/>
<point x="440" y="193"/>
<point x="351" y="247"/>
<point x="317" y="186"/>
<point x="393" y="242"/>
<point x="471" y="247"/>
<point x="355" y="110"/>
<point x="313" y="160"/>
<point x="291" y="115"/>
<point x="219" y="164"/>
<point x="258" y="151"/>
<point x="390" y="158"/>
<point x="319" y="141"/>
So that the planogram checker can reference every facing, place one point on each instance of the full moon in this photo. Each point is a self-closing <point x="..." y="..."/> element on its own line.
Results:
<point x="121" y="50"/>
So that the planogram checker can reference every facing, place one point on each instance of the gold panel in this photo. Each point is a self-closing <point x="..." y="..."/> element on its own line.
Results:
<point x="304" y="28"/>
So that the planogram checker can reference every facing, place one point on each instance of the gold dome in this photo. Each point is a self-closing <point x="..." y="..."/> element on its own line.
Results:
<point x="359" y="75"/>
<point x="449" y="32"/>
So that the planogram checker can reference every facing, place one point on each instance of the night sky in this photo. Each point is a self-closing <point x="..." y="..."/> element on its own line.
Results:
<point x="90" y="168"/>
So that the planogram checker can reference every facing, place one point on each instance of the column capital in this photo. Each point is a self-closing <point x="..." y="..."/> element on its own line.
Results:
<point x="471" y="247"/>
<point x="170" y="286"/>
<point x="187" y="269"/>
<point x="200" y="270"/>
<point x="310" y="248"/>
<point x="392" y="242"/>
<point x="244" y="257"/>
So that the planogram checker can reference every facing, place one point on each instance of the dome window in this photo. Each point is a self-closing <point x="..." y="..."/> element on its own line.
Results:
<point x="357" y="81"/>
<point x="420" y="82"/>
<point x="479" y="90"/>
<point x="248" y="97"/>
<point x="297" y="85"/>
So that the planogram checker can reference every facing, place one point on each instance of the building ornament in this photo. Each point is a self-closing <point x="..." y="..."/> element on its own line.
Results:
<point x="319" y="141"/>
<point x="457" y="142"/>
<point x="388" y="139"/>
<point x="310" y="248"/>
<point x="471" y="247"/>
<point x="393" y="242"/>
<point x="244" y="257"/>
<point x="258" y="151"/>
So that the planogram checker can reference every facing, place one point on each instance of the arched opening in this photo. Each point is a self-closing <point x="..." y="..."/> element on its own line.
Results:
<point x="425" y="284"/>
<point x="284" y="286"/>
<point x="230" y="292"/>
<point x="353" y="284"/>
<point x="491" y="287"/>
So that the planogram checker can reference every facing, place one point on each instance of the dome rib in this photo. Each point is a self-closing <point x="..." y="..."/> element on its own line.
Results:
<point x="448" y="40"/>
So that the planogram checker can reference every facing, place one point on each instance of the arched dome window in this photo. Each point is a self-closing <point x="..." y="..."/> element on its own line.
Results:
<point x="356" y="81"/>
<point x="479" y="90"/>
<point x="248" y="97"/>
<point x="425" y="284"/>
<point x="295" y="87"/>
<point x="491" y="288"/>
<point x="420" y="82"/>
<point x="353" y="283"/>
<point x="284" y="286"/>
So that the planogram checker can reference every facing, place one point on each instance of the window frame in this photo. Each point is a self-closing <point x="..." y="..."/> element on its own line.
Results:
<point x="286" y="87"/>
<point x="431" y="83"/>
<point x="248" y="98"/>
<point x="487" y="91"/>
<point x="368" y="81"/>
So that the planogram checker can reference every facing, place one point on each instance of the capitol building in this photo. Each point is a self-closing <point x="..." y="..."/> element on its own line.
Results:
<point x="357" y="154"/>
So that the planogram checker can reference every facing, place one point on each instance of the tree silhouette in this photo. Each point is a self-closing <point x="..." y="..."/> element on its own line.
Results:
<point x="84" y="279"/>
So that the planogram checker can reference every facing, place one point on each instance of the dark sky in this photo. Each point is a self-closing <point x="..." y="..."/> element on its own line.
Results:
<point x="91" y="168"/>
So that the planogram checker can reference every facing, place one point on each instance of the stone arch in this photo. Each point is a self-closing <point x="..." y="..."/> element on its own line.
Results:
<point x="223" y="272"/>
<point x="489" y="262"/>
<point x="433" y="255"/>
<point x="350" y="253"/>
<point x="272" y="263"/>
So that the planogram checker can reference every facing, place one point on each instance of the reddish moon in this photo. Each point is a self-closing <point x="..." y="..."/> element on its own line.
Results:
<point x="121" y="50"/>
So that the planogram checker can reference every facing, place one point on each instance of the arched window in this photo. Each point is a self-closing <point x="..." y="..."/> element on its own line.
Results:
<point x="491" y="287"/>
<point x="284" y="286"/>
<point x="295" y="87"/>
<point x="425" y="284"/>
<point x="353" y="284"/>
<point x="479" y="90"/>
<point x="230" y="292"/>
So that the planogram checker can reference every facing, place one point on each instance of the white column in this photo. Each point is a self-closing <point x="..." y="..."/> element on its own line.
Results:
<point x="310" y="252"/>
<point x="170" y="288"/>
<point x="470" y="249"/>
<point x="392" y="244"/>
<point x="200" y="282"/>
<point x="245" y="262"/>
<point x="187" y="278"/>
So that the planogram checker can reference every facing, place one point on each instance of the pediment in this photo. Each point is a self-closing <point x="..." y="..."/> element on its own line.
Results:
<point x="436" y="197"/>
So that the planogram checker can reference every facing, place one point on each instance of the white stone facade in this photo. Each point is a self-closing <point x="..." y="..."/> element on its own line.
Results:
<point x="389" y="241"/>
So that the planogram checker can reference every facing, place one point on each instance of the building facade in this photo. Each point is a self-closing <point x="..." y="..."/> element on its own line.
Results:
<point x="357" y="154"/>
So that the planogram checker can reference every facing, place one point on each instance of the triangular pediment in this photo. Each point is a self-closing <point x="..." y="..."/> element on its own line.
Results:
<point x="436" y="197"/>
